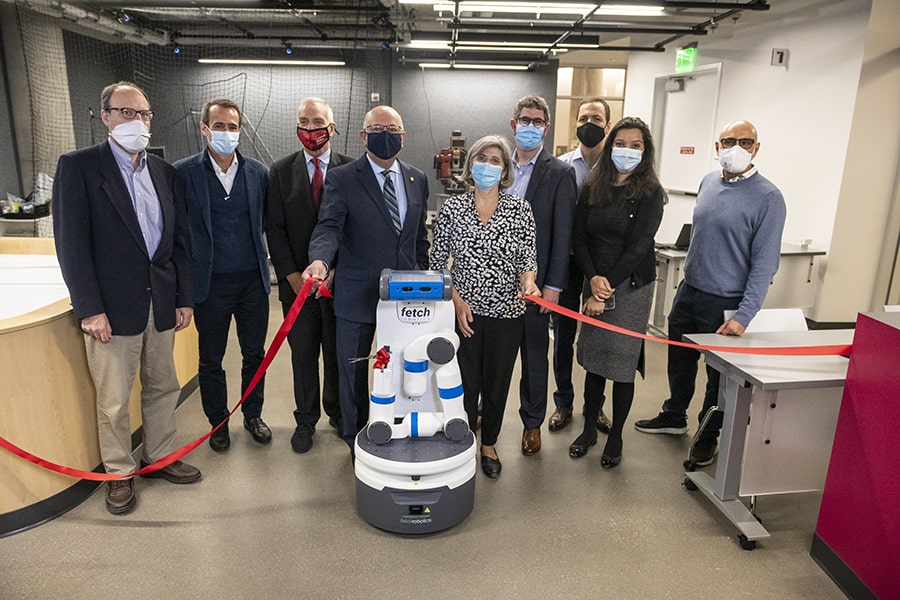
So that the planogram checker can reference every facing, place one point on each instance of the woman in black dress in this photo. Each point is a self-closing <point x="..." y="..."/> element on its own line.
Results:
<point x="618" y="213"/>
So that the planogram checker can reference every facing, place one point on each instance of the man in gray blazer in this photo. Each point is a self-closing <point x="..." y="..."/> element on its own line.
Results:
<point x="123" y="248"/>
<point x="373" y="217"/>
<point x="549" y="186"/>
<point x="225" y="197"/>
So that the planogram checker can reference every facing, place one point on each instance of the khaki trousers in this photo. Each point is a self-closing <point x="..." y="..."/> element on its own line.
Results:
<point x="113" y="368"/>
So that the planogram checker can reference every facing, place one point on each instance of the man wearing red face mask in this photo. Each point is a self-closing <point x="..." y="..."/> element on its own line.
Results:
<point x="294" y="195"/>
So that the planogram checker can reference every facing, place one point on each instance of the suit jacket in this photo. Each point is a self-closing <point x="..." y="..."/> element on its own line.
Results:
<point x="291" y="216"/>
<point x="193" y="181"/>
<point x="354" y="223"/>
<point x="101" y="251"/>
<point x="552" y="193"/>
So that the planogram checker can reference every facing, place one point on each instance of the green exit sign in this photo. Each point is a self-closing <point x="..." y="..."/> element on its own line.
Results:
<point x="686" y="58"/>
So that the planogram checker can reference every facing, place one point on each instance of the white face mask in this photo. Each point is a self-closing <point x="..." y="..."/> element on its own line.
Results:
<point x="735" y="159"/>
<point x="131" y="135"/>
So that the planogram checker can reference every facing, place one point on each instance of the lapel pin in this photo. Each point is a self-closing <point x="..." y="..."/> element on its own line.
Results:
<point x="411" y="178"/>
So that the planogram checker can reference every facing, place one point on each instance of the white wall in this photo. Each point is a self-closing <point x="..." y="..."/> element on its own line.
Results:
<point x="803" y="113"/>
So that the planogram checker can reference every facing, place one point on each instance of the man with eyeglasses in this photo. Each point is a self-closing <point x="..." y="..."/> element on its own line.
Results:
<point x="224" y="194"/>
<point x="123" y="247"/>
<point x="549" y="185"/>
<point x="591" y="126"/>
<point x="296" y="186"/>
<point x="373" y="218"/>
<point x="734" y="253"/>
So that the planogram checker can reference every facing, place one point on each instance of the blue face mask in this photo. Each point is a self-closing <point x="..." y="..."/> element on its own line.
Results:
<point x="485" y="175"/>
<point x="384" y="145"/>
<point x="529" y="137"/>
<point x="626" y="159"/>
<point x="224" y="142"/>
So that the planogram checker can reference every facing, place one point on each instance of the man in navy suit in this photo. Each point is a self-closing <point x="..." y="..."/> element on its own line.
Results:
<point x="123" y="248"/>
<point x="296" y="185"/>
<point x="224" y="195"/>
<point x="373" y="217"/>
<point x="549" y="186"/>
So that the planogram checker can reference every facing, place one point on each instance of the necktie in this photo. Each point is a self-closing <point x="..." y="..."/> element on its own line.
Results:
<point x="317" y="183"/>
<point x="390" y="197"/>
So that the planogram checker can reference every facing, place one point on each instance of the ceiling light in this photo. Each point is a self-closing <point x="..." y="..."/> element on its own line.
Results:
<point x="521" y="7"/>
<point x="282" y="63"/>
<point x="426" y="65"/>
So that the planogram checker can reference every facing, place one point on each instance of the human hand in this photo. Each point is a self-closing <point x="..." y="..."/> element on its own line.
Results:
<point x="463" y="315"/>
<point x="97" y="327"/>
<point x="731" y="327"/>
<point x="549" y="295"/>
<point x="183" y="317"/>
<point x="593" y="307"/>
<point x="600" y="288"/>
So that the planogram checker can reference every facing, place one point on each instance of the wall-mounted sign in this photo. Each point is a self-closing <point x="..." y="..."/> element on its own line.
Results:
<point x="686" y="58"/>
<point x="687" y="150"/>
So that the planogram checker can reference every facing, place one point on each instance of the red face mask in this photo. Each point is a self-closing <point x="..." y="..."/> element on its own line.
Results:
<point x="313" y="139"/>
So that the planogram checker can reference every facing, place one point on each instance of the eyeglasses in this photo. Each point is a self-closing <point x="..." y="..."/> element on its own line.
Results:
<point x="746" y="143"/>
<point x="539" y="122"/>
<point x="382" y="128"/>
<point x="129" y="113"/>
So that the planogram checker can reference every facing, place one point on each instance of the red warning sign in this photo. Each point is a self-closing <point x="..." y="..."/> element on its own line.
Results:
<point x="687" y="150"/>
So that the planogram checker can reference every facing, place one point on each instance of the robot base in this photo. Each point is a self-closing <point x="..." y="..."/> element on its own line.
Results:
<point x="415" y="486"/>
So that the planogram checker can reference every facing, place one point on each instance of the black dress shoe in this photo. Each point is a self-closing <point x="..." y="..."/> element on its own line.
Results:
<point x="580" y="446"/>
<point x="302" y="440"/>
<point x="491" y="466"/>
<point x="561" y="417"/>
<point x="612" y="454"/>
<point x="258" y="430"/>
<point x="220" y="441"/>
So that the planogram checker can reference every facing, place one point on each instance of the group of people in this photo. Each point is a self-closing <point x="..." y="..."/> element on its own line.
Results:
<point x="145" y="247"/>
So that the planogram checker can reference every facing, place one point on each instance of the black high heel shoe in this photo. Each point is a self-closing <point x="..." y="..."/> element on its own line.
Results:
<point x="580" y="446"/>
<point x="491" y="466"/>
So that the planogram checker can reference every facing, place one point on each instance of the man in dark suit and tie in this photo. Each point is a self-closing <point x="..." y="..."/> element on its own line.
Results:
<point x="296" y="184"/>
<point x="123" y="248"/>
<point x="225" y="194"/>
<point x="549" y="186"/>
<point x="373" y="218"/>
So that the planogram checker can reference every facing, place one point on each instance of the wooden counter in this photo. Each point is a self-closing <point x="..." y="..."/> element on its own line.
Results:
<point x="48" y="408"/>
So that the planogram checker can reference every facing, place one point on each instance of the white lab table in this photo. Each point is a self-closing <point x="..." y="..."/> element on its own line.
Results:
<point x="780" y="414"/>
<point x="793" y="286"/>
<point x="29" y="282"/>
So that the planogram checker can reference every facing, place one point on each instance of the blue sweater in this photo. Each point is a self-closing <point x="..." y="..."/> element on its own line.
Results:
<point x="736" y="240"/>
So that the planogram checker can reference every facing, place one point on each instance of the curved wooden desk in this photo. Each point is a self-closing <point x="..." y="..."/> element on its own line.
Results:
<point x="47" y="406"/>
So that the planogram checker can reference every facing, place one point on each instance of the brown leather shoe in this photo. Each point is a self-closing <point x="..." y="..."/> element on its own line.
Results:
<point x="531" y="442"/>
<point x="603" y="423"/>
<point x="560" y="418"/>
<point x="120" y="497"/>
<point x="177" y="472"/>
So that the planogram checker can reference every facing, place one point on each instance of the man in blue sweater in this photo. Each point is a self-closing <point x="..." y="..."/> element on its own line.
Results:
<point x="733" y="255"/>
<point x="224" y="193"/>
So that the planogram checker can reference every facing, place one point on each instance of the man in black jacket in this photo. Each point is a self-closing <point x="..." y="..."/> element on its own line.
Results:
<point x="294" y="195"/>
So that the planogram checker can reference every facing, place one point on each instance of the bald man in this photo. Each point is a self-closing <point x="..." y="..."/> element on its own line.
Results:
<point x="733" y="255"/>
<point x="373" y="217"/>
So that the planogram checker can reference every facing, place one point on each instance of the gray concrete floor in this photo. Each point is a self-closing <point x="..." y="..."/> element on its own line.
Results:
<point x="267" y="523"/>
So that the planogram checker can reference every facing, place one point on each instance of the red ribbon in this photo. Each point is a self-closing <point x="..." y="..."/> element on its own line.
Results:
<point x="840" y="349"/>
<point x="382" y="358"/>
<point x="187" y="449"/>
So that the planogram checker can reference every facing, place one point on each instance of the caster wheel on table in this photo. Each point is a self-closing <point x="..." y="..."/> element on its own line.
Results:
<point x="690" y="485"/>
<point x="745" y="543"/>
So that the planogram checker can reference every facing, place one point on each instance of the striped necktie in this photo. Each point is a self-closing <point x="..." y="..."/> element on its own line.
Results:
<point x="390" y="197"/>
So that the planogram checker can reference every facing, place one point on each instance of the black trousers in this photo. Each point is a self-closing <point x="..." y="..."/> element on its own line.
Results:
<point x="535" y="367"/>
<point x="694" y="311"/>
<point x="354" y="340"/>
<point x="313" y="330"/>
<point x="486" y="362"/>
<point x="564" y="330"/>
<point x="243" y="297"/>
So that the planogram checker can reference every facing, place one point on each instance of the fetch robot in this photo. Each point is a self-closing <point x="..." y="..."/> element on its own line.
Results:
<point x="415" y="459"/>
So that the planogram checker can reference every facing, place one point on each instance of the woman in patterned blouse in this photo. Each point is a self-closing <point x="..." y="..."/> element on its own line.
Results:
<point x="490" y="238"/>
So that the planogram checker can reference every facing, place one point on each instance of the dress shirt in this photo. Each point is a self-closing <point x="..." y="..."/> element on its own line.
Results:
<point x="399" y="185"/>
<point x="522" y="174"/>
<point x="225" y="177"/>
<point x="143" y="195"/>
<point x="575" y="159"/>
<point x="323" y="164"/>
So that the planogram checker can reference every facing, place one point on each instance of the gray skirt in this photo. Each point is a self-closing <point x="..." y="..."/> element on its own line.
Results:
<point x="612" y="355"/>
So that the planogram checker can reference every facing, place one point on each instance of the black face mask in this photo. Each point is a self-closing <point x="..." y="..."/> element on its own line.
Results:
<point x="384" y="145"/>
<point x="590" y="135"/>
